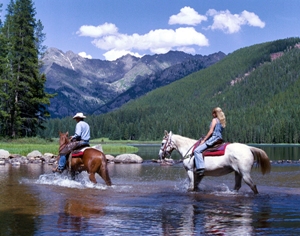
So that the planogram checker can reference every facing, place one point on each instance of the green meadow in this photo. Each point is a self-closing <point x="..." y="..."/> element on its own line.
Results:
<point x="26" y="145"/>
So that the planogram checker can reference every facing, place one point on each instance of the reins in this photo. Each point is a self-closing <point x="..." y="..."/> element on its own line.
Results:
<point x="64" y="144"/>
<point x="185" y="156"/>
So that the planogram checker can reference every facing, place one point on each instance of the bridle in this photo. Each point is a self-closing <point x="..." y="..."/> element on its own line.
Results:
<point x="167" y="147"/>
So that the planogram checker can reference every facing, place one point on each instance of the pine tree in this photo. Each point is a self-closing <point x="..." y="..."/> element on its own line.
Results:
<point x="4" y="82"/>
<point x="27" y="100"/>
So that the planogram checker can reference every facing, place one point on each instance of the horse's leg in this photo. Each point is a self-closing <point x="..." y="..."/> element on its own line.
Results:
<point x="91" y="168"/>
<point x="190" y="172"/>
<point x="238" y="181"/>
<point x="92" y="177"/>
<point x="248" y="180"/>
<point x="73" y="175"/>
<point x="103" y="172"/>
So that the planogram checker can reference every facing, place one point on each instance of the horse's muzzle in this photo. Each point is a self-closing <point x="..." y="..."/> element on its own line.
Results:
<point x="162" y="154"/>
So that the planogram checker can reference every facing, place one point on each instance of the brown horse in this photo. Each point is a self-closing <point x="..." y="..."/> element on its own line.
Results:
<point x="91" y="160"/>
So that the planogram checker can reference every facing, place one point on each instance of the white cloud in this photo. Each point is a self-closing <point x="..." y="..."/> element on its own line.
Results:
<point x="187" y="16"/>
<point x="97" y="31"/>
<point x="84" y="55"/>
<point x="189" y="50"/>
<point x="187" y="39"/>
<point x="231" y="23"/>
<point x="252" y="19"/>
<point x="157" y="41"/>
<point x="115" y="54"/>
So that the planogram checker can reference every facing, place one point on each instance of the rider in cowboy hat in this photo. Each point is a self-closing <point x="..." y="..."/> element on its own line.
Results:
<point x="80" y="138"/>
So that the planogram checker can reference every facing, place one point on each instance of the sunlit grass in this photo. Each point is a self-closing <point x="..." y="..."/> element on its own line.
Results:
<point x="27" y="145"/>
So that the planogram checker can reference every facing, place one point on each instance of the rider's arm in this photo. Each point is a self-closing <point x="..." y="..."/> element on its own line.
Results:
<point x="211" y="130"/>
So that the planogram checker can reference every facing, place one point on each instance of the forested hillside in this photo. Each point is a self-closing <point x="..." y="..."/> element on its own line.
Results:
<point x="257" y="87"/>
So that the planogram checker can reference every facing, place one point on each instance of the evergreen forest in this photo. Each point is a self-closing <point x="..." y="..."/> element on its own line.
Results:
<point x="257" y="87"/>
<point x="23" y="98"/>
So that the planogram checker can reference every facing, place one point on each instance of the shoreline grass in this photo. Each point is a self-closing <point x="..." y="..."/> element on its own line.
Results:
<point x="24" y="146"/>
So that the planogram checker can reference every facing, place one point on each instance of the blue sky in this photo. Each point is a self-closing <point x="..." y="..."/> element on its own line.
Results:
<point x="108" y="29"/>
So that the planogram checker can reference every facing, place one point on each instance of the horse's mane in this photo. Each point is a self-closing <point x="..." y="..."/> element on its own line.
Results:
<point x="183" y="140"/>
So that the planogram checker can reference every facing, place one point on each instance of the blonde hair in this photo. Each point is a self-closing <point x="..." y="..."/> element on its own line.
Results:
<point x="220" y="115"/>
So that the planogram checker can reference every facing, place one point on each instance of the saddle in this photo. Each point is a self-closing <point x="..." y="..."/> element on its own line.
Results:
<point x="216" y="150"/>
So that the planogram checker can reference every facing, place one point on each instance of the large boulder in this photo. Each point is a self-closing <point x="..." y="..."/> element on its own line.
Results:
<point x="4" y="154"/>
<point x="110" y="158"/>
<point x="128" y="158"/>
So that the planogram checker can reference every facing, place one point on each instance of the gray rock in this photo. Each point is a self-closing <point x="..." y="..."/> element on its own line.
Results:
<point x="34" y="154"/>
<point x="128" y="158"/>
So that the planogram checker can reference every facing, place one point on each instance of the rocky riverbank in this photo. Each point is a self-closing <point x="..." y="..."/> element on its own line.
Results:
<point x="36" y="157"/>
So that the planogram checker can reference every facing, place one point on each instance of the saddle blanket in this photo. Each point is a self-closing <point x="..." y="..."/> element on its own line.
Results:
<point x="79" y="153"/>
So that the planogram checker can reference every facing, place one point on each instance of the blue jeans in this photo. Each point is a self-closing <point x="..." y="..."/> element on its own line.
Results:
<point x="63" y="155"/>
<point x="199" y="162"/>
<point x="62" y="162"/>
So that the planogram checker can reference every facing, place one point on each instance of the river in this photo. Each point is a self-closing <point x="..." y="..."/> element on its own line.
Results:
<point x="149" y="199"/>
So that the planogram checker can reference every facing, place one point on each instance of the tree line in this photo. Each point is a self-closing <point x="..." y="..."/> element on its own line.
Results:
<point x="23" y="99"/>
<point x="260" y="98"/>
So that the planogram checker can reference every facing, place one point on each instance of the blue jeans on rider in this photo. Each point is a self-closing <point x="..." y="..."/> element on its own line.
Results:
<point x="63" y="159"/>
<point x="199" y="162"/>
<point x="62" y="162"/>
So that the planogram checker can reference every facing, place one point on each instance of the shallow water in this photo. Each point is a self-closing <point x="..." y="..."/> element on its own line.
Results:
<point x="147" y="199"/>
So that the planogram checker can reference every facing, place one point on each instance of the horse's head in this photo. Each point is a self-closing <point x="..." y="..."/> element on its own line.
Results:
<point x="167" y="145"/>
<point x="63" y="139"/>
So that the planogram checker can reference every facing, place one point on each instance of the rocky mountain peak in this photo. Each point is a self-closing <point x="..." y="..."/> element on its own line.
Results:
<point x="95" y="86"/>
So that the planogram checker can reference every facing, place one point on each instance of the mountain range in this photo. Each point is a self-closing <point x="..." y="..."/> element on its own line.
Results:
<point x="95" y="86"/>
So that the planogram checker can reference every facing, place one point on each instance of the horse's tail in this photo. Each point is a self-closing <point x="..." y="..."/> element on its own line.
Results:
<point x="262" y="159"/>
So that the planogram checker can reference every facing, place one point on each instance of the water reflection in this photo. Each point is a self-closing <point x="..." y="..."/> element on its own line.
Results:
<point x="76" y="213"/>
<point x="147" y="199"/>
<point x="178" y="220"/>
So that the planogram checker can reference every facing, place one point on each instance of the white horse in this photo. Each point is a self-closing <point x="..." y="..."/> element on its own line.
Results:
<point x="237" y="157"/>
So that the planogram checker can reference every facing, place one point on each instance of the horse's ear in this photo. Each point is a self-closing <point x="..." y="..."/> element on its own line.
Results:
<point x="170" y="136"/>
<point x="166" y="132"/>
<point x="67" y="133"/>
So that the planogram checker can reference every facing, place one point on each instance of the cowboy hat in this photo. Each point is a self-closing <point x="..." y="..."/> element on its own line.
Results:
<point x="79" y="115"/>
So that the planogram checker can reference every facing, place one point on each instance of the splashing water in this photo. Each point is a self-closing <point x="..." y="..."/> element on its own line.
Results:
<point x="81" y="181"/>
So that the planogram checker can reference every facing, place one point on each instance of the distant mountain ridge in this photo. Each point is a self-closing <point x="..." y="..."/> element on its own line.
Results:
<point x="95" y="86"/>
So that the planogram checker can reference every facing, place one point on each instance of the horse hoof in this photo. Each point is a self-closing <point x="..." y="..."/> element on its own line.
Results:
<point x="190" y="189"/>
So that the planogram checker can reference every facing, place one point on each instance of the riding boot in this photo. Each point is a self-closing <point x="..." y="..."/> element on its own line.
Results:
<point x="200" y="171"/>
<point x="57" y="170"/>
